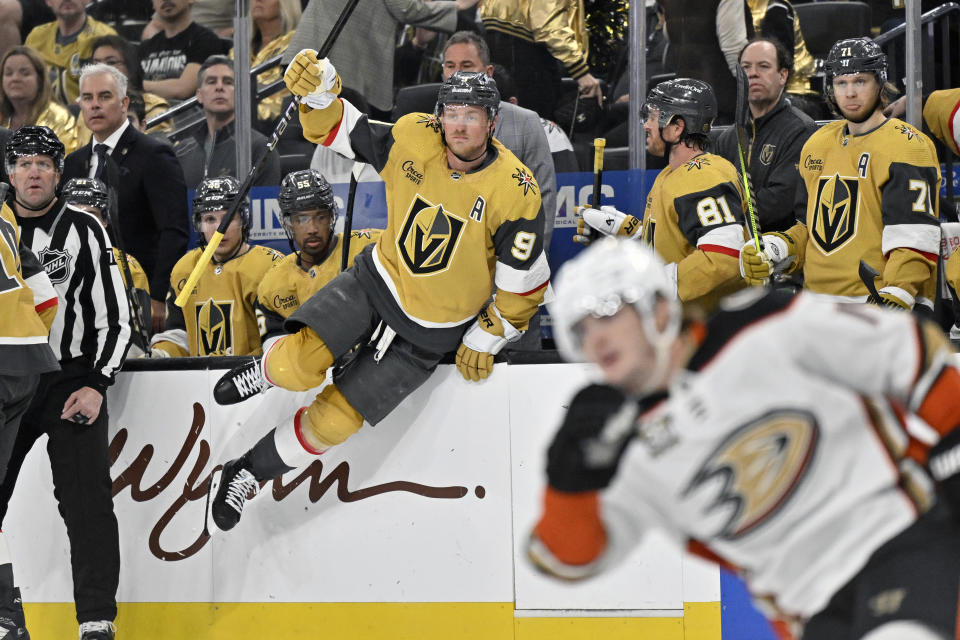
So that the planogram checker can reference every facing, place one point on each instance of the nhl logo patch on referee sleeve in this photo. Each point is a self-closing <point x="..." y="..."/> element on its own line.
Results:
<point x="56" y="263"/>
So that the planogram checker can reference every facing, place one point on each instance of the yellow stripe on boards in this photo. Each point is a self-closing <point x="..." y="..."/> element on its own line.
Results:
<point x="367" y="621"/>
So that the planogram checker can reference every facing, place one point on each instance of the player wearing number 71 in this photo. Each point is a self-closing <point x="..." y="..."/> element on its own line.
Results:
<point x="694" y="213"/>
<point x="869" y="192"/>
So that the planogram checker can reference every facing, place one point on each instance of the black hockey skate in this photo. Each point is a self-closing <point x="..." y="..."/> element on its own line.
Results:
<point x="229" y="493"/>
<point x="240" y="383"/>
<point x="11" y="630"/>
<point x="13" y="626"/>
<point x="99" y="630"/>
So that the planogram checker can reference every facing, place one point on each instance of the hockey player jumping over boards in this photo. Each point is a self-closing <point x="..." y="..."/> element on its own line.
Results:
<point x="463" y="222"/>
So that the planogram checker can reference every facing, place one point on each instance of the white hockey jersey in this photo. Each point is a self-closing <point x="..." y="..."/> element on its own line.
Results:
<point x="783" y="450"/>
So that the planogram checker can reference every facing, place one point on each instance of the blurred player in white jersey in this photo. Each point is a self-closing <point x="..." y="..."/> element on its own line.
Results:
<point x="810" y="445"/>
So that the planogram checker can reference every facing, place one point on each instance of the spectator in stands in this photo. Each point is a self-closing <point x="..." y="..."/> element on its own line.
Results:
<point x="561" y="149"/>
<point x="274" y="22"/>
<point x="365" y="49"/>
<point x="774" y="141"/>
<point x="529" y="37"/>
<point x="18" y="18"/>
<point x="218" y="318"/>
<point x="120" y="54"/>
<point x="137" y="110"/>
<point x="215" y="135"/>
<point x="171" y="59"/>
<point x="216" y="15"/>
<point x="151" y="194"/>
<point x="25" y="98"/>
<point x="64" y="43"/>
<point x="706" y="38"/>
<point x="777" y="20"/>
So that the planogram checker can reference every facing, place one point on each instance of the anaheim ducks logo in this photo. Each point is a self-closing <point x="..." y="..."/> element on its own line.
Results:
<point x="428" y="237"/>
<point x="429" y="121"/>
<point x="525" y="180"/>
<point x="835" y="214"/>
<point x="214" y="335"/>
<point x="761" y="464"/>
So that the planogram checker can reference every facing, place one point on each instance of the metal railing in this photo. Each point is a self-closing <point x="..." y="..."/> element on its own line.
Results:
<point x="261" y="92"/>
<point x="894" y="39"/>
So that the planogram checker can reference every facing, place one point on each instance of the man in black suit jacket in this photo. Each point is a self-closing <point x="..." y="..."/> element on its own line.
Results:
<point x="151" y="192"/>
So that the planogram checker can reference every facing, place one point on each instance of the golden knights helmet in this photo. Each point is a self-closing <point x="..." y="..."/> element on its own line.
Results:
<point x="217" y="194"/>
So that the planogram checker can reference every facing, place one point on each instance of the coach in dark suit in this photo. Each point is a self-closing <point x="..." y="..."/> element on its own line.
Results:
<point x="151" y="192"/>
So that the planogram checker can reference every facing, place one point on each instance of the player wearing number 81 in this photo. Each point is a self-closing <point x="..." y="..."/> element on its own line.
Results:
<point x="694" y="214"/>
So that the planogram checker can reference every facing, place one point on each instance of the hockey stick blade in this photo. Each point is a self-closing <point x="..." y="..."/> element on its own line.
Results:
<point x="869" y="276"/>
<point x="278" y="130"/>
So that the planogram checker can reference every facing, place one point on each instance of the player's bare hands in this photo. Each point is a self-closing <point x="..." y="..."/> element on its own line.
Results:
<point x="897" y="108"/>
<point x="589" y="87"/>
<point x="158" y="312"/>
<point x="83" y="406"/>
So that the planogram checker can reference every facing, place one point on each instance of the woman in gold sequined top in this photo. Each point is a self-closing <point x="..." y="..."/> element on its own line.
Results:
<point x="26" y="99"/>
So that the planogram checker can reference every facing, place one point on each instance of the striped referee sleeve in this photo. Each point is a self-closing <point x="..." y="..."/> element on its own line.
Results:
<point x="97" y="316"/>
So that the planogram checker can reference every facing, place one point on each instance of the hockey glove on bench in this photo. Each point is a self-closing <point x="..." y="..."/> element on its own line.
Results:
<point x="605" y="221"/>
<point x="778" y="254"/>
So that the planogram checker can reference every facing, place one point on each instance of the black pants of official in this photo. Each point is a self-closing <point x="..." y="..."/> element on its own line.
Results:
<point x="80" y="463"/>
<point x="535" y="72"/>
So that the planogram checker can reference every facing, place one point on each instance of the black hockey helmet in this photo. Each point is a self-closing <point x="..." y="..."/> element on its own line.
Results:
<point x="693" y="100"/>
<point x="217" y="194"/>
<point x="89" y="191"/>
<point x="304" y="190"/>
<point x="34" y="141"/>
<point x="469" y="87"/>
<point x="853" y="55"/>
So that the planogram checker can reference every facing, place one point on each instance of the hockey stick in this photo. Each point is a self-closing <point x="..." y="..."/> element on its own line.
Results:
<point x="348" y="219"/>
<point x="742" y="119"/>
<point x="278" y="130"/>
<point x="598" y="146"/>
<point x="116" y="236"/>
<point x="869" y="275"/>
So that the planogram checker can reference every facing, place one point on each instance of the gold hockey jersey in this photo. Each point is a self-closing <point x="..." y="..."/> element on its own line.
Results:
<point x="942" y="114"/>
<point x="694" y="219"/>
<point x="452" y="238"/>
<point x="870" y="197"/>
<point x="218" y="318"/>
<point x="64" y="60"/>
<point x="28" y="305"/>
<point x="286" y="285"/>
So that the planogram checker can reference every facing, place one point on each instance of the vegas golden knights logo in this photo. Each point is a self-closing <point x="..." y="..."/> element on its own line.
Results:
<point x="757" y="468"/>
<point x="214" y="335"/>
<point x="428" y="238"/>
<point x="835" y="214"/>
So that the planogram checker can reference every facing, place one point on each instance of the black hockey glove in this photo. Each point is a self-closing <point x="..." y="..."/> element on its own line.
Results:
<point x="586" y="451"/>
<point x="945" y="467"/>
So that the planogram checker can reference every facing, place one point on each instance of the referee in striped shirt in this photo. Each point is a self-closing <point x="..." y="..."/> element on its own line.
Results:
<point x="89" y="336"/>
